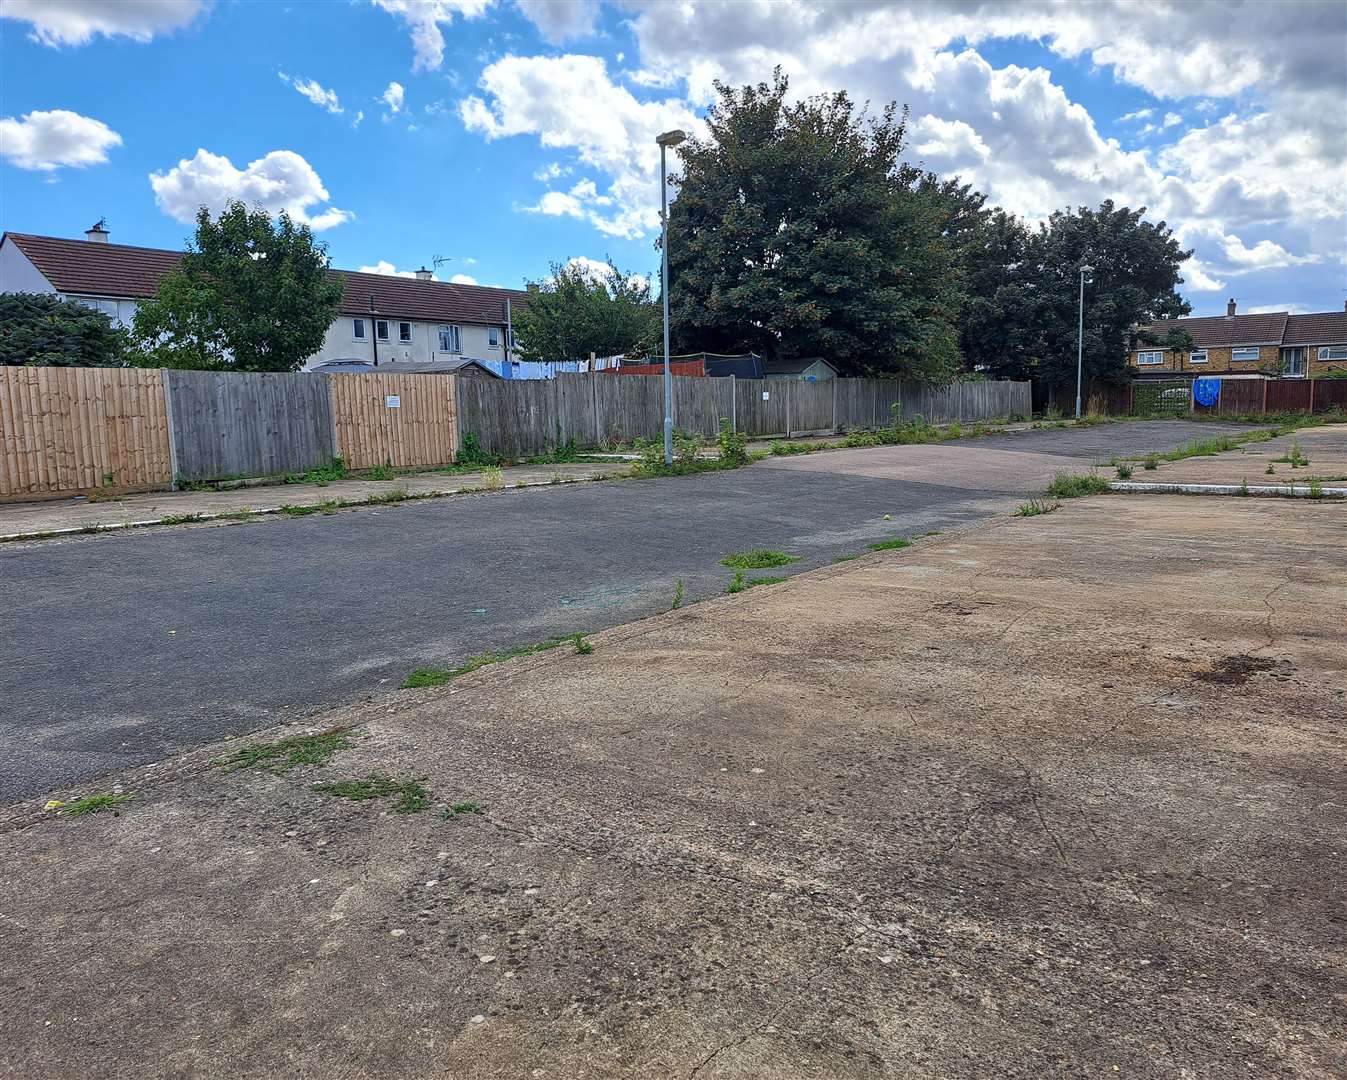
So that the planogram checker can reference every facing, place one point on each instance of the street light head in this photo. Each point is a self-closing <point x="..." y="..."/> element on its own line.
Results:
<point x="671" y="138"/>
<point x="1087" y="269"/>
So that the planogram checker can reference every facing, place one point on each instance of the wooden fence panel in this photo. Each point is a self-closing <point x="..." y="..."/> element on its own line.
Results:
<point x="1288" y="395"/>
<point x="1329" y="394"/>
<point x="235" y="423"/>
<point x="398" y="420"/>
<point x="64" y="431"/>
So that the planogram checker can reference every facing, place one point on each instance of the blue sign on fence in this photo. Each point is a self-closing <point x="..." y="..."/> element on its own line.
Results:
<point x="1207" y="392"/>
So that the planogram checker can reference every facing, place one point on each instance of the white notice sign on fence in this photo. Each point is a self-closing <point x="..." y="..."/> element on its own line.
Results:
<point x="766" y="396"/>
<point x="393" y="401"/>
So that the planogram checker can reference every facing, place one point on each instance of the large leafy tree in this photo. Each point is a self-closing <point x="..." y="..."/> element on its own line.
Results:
<point x="1134" y="280"/>
<point x="42" y="329"/>
<point x="577" y="311"/>
<point x="252" y="293"/>
<point x="796" y="233"/>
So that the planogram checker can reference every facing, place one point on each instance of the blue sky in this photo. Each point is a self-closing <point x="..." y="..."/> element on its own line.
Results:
<point x="508" y="134"/>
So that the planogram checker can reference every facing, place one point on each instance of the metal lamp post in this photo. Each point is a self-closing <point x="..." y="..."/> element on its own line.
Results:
<point x="668" y="139"/>
<point x="1080" y="337"/>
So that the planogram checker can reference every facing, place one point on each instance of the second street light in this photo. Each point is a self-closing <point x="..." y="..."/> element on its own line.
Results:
<point x="668" y="139"/>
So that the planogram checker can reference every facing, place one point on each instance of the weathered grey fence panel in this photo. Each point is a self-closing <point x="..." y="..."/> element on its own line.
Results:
<point x="227" y="423"/>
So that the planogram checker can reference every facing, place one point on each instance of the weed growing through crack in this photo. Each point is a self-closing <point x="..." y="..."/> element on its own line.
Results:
<point x="1316" y="488"/>
<point x="844" y="558"/>
<point x="1243" y="488"/>
<point x="1073" y="485"/>
<point x="1124" y="472"/>
<point x="784" y="449"/>
<point x="678" y="596"/>
<point x="411" y="795"/>
<point x="329" y="506"/>
<point x="180" y="519"/>
<point x="583" y="647"/>
<point x="284" y="754"/>
<point x="1150" y="462"/>
<point x="491" y="478"/>
<point x="379" y="472"/>
<point x="757" y="559"/>
<point x="439" y="676"/>
<point x="891" y="545"/>
<point x="467" y="806"/>
<point x="1270" y="470"/>
<point x="93" y="804"/>
<point x="1034" y="507"/>
<point x="738" y="585"/>
<point x="322" y="475"/>
<point x="765" y="581"/>
<point x="1295" y="458"/>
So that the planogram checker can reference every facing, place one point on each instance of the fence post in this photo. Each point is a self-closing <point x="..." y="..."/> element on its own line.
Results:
<point x="164" y="375"/>
<point x="594" y="404"/>
<point x="734" y="404"/>
<point x="1310" y="380"/>
<point x="790" y="390"/>
<point x="1265" y="382"/>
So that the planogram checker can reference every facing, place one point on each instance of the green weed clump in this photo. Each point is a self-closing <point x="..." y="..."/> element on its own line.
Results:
<point x="1034" y="507"/>
<point x="92" y="804"/>
<point x="322" y="475"/>
<point x="783" y="449"/>
<point x="891" y="545"/>
<point x="758" y="559"/>
<point x="1074" y="485"/>
<point x="411" y="795"/>
<point x="285" y="754"/>
<point x="439" y="676"/>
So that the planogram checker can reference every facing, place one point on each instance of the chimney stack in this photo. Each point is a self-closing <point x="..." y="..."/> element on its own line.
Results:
<point x="425" y="275"/>
<point x="98" y="234"/>
<point x="1230" y="307"/>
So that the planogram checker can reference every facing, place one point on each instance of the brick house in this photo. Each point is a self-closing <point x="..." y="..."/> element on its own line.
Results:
<point x="1266" y="345"/>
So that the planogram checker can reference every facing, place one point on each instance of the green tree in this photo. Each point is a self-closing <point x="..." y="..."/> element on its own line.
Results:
<point x="796" y="233"/>
<point x="1134" y="280"/>
<point x="252" y="293"/>
<point x="576" y="312"/>
<point x="41" y="329"/>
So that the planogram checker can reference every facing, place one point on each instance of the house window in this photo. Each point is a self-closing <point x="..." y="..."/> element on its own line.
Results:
<point x="1198" y="357"/>
<point x="493" y="336"/>
<point x="358" y="329"/>
<point x="405" y="331"/>
<point x="1156" y="357"/>
<point x="449" y="339"/>
<point x="381" y="329"/>
<point x="1244" y="353"/>
<point x="1333" y="352"/>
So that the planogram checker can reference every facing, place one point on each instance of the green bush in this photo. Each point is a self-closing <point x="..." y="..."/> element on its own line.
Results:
<point x="1073" y="485"/>
<point x="472" y="453"/>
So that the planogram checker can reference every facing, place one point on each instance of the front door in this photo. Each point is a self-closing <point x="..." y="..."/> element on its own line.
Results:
<point x="1293" y="363"/>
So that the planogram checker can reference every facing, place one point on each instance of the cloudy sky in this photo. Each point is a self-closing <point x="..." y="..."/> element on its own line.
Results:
<point x="506" y="134"/>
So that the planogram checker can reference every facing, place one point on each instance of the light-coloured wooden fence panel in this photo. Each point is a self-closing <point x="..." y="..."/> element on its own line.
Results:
<point x="398" y="420"/>
<point x="234" y="423"/>
<point x="64" y="431"/>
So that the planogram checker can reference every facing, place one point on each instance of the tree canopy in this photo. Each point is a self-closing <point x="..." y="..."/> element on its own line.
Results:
<point x="796" y="233"/>
<point x="43" y="329"/>
<point x="576" y="311"/>
<point x="252" y="293"/>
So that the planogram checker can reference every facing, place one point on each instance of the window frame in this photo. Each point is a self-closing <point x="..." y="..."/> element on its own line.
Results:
<point x="1234" y="359"/>
<point x="385" y="324"/>
<point x="1193" y="356"/>
<point x="404" y="339"/>
<point x="493" y="337"/>
<point x="1159" y="355"/>
<point x="456" y="333"/>
<point x="358" y="330"/>
<point x="1325" y="353"/>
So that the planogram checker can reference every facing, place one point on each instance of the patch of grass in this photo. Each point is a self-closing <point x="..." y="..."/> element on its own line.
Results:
<point x="898" y="433"/>
<point x="1074" y="485"/>
<point x="678" y="596"/>
<point x="285" y="754"/>
<point x="765" y="581"/>
<point x="237" y="515"/>
<point x="411" y="795"/>
<point x="583" y="647"/>
<point x="491" y="478"/>
<point x="758" y="559"/>
<point x="1295" y="458"/>
<point x="328" y="506"/>
<point x="1034" y="507"/>
<point x="954" y="430"/>
<point x="1150" y="462"/>
<point x="467" y="806"/>
<point x="379" y="472"/>
<point x="397" y="495"/>
<point x="93" y="804"/>
<point x="1124" y="472"/>
<point x="891" y="545"/>
<point x="472" y="455"/>
<point x="783" y="449"/>
<point x="180" y="519"/>
<point x="322" y="475"/>
<point x="844" y="558"/>
<point x="738" y="585"/>
<point x="439" y="676"/>
<point x="1316" y="488"/>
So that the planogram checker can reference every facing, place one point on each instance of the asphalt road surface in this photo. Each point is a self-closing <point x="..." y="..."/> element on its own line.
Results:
<point x="123" y="648"/>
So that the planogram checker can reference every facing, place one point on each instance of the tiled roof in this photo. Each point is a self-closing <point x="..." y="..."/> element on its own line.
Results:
<point x="1325" y="328"/>
<point x="1218" y="330"/>
<point x="119" y="270"/>
<point x="86" y="268"/>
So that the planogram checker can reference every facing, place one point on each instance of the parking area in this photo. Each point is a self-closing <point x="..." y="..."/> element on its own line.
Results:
<point x="1057" y="795"/>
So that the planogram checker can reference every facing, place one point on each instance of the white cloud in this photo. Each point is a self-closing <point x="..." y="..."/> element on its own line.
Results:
<point x="423" y="18"/>
<point x="549" y="172"/>
<point x="46" y="141"/>
<point x="463" y="279"/>
<point x="393" y="99"/>
<point x="560" y="20"/>
<point x="570" y="103"/>
<point x="1139" y="114"/>
<point x="383" y="266"/>
<point x="1172" y="119"/>
<point x="76" y="22"/>
<point x="324" y="99"/>
<point x="1198" y="277"/>
<point x="282" y="180"/>
<point x="1264" y="255"/>
<point x="1294" y="309"/>
<point x="598" y="271"/>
